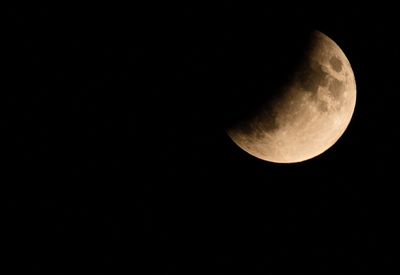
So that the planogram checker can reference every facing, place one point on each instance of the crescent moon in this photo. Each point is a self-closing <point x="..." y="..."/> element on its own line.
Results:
<point x="311" y="112"/>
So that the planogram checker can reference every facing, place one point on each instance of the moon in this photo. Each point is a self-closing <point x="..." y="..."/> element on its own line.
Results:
<point x="310" y="113"/>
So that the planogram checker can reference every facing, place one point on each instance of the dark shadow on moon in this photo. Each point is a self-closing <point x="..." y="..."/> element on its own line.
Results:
<point x="252" y="112"/>
<point x="228" y="88"/>
<point x="258" y="77"/>
<point x="265" y="121"/>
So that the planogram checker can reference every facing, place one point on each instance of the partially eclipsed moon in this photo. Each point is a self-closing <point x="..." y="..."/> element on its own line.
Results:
<point x="311" y="113"/>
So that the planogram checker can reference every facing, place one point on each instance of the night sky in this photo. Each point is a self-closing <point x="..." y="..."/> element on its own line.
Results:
<point x="115" y="158"/>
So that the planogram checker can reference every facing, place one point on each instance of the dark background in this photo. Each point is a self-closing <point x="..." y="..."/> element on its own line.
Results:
<point x="115" y="158"/>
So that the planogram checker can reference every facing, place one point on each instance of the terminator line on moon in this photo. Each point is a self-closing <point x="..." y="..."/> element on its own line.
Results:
<point x="311" y="112"/>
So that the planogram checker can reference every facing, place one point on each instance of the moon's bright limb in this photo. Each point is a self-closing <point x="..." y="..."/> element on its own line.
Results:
<point x="310" y="115"/>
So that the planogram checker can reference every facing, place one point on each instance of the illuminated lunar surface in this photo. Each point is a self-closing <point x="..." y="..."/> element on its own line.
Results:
<point x="309" y="115"/>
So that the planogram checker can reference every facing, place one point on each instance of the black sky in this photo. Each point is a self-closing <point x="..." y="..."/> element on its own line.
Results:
<point x="115" y="157"/>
